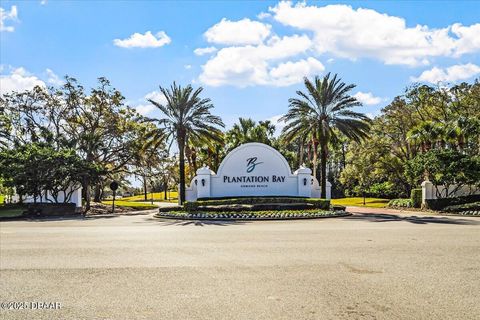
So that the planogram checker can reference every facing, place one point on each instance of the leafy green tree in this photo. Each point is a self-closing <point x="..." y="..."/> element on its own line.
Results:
<point x="186" y="116"/>
<point x="104" y="131"/>
<point x="35" y="168"/>
<point x="324" y="107"/>
<point x="445" y="167"/>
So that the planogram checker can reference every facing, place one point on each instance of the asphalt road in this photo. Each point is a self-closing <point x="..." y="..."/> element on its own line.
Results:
<point x="138" y="267"/>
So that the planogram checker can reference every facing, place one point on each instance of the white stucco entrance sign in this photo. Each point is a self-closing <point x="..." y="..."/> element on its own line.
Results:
<point x="254" y="169"/>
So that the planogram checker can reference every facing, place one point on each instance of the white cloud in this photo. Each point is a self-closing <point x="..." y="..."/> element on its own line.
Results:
<point x="263" y="15"/>
<point x="19" y="80"/>
<point x="259" y="65"/>
<point x="289" y="73"/>
<point x="279" y="125"/>
<point x="5" y="16"/>
<point x="240" y="32"/>
<point x="43" y="2"/>
<point x="144" y="109"/>
<point x="147" y="40"/>
<point x="53" y="78"/>
<point x="156" y="96"/>
<point x="188" y="66"/>
<point x="331" y="60"/>
<point x="450" y="74"/>
<point x="468" y="38"/>
<point x="367" y="98"/>
<point x="203" y="51"/>
<point x="365" y="33"/>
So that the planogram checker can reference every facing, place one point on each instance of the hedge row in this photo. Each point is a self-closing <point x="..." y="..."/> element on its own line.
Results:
<point x="440" y="204"/>
<point x="474" y="206"/>
<point x="261" y="203"/>
<point x="255" y="207"/>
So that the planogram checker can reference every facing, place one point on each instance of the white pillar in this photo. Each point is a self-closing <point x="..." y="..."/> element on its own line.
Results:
<point x="303" y="181"/>
<point x="203" y="177"/>
<point x="427" y="191"/>
<point x="77" y="197"/>
<point x="328" y="190"/>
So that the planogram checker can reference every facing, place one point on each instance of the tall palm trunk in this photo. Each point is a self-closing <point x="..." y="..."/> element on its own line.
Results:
<point x="181" y="150"/>
<point x="300" y="153"/>
<point x="315" y="157"/>
<point x="323" y="164"/>
<point x="194" y="162"/>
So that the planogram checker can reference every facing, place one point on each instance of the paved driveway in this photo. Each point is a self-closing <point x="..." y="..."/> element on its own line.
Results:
<point x="383" y="266"/>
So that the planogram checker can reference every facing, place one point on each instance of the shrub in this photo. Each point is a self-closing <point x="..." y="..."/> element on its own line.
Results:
<point x="416" y="197"/>
<point x="338" y="207"/>
<point x="261" y="203"/>
<point x="168" y="209"/>
<point x="400" y="203"/>
<point x="439" y="204"/>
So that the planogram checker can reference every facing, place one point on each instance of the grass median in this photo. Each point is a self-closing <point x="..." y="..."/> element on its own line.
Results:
<point x="358" y="202"/>
<point x="131" y="204"/>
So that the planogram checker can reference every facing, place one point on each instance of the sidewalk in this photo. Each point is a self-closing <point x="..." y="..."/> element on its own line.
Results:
<point x="367" y="210"/>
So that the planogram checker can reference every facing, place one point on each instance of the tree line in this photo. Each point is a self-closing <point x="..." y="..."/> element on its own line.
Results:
<point x="52" y="138"/>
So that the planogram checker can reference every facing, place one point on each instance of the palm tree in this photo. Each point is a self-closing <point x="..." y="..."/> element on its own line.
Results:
<point x="316" y="113"/>
<point x="248" y="130"/>
<point x="186" y="116"/>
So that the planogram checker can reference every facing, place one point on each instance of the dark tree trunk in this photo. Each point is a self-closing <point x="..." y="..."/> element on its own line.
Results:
<point x="145" y="188"/>
<point x="165" y="190"/>
<point x="194" y="162"/>
<point x="86" y="187"/>
<point x="181" y="150"/>
<point x="98" y="193"/>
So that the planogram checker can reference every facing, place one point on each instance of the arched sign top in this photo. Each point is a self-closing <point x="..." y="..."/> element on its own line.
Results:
<point x="254" y="159"/>
<point x="253" y="169"/>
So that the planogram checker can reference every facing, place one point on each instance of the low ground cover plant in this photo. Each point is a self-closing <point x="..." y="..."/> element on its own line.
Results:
<point x="400" y="203"/>
<point x="251" y="215"/>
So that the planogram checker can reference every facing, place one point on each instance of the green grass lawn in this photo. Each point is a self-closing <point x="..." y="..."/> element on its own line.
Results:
<point x="358" y="202"/>
<point x="2" y="197"/>
<point x="157" y="196"/>
<point x="10" y="212"/>
<point x="131" y="204"/>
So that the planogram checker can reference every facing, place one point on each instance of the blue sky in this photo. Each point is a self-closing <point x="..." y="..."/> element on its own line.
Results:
<point x="259" y="50"/>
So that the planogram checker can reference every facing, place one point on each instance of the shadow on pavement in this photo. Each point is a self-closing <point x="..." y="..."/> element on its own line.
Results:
<point x="375" y="217"/>
<point x="198" y="223"/>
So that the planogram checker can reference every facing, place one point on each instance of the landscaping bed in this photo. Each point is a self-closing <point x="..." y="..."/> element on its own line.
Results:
<point x="122" y="208"/>
<point x="251" y="215"/>
<point x="254" y="208"/>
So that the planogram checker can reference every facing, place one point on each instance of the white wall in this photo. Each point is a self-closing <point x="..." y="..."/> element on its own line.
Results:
<point x="76" y="197"/>
<point x="429" y="191"/>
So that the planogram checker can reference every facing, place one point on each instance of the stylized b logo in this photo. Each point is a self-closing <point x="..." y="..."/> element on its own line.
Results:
<point x="252" y="163"/>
